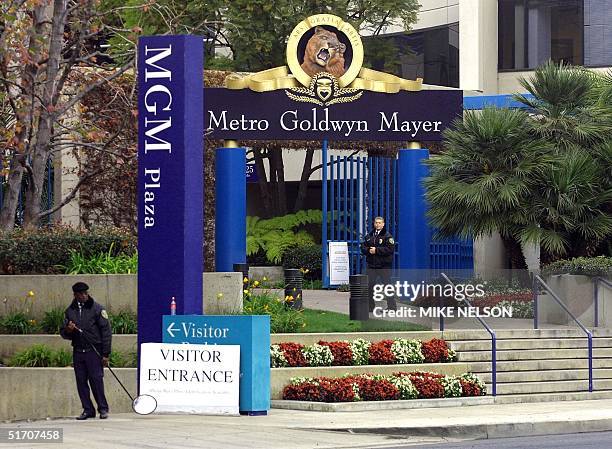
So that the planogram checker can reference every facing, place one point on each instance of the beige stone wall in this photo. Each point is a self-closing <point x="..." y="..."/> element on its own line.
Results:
<point x="115" y="291"/>
<point x="38" y="393"/>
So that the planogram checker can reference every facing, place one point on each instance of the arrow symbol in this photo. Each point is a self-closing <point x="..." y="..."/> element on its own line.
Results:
<point x="171" y="330"/>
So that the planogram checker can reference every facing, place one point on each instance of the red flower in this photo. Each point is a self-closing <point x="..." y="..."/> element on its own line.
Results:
<point x="377" y="390"/>
<point x="306" y="391"/>
<point x="341" y="350"/>
<point x="380" y="353"/>
<point x="427" y="384"/>
<point x="435" y="351"/>
<point x="293" y="354"/>
<point x="337" y="390"/>
<point x="469" y="388"/>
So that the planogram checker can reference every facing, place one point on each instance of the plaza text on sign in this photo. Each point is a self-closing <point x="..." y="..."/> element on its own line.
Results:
<point x="402" y="116"/>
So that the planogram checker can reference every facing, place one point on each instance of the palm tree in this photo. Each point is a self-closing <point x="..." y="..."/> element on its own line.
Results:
<point x="489" y="168"/>
<point x="569" y="107"/>
<point x="571" y="209"/>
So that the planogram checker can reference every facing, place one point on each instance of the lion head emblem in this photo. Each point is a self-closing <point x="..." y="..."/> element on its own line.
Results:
<point x="324" y="53"/>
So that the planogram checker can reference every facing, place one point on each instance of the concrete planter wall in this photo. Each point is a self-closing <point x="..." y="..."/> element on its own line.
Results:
<point x="273" y="274"/>
<point x="576" y="292"/>
<point x="115" y="291"/>
<point x="38" y="393"/>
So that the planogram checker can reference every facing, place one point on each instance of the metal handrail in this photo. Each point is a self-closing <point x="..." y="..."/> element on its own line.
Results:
<point x="596" y="281"/>
<point x="493" y="341"/>
<point x="538" y="280"/>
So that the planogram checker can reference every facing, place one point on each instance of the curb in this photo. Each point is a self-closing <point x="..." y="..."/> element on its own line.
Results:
<point x="489" y="431"/>
<point x="363" y="406"/>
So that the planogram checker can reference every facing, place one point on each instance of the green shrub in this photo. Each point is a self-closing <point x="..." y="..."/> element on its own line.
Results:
<point x="53" y="320"/>
<point x="588" y="266"/>
<point x="123" y="322"/>
<point x="116" y="360"/>
<point x="35" y="356"/>
<point x="61" y="358"/>
<point x="275" y="235"/>
<point x="43" y="356"/>
<point x="17" y="323"/>
<point x="45" y="250"/>
<point x="307" y="257"/>
<point x="283" y="319"/>
<point x="103" y="263"/>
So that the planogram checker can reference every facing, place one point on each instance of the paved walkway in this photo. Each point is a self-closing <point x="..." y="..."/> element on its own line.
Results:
<point x="297" y="429"/>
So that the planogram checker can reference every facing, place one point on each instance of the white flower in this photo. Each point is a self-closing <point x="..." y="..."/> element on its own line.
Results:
<point x="318" y="355"/>
<point x="452" y="386"/>
<point x="404" y="385"/>
<point x="301" y="380"/>
<point x="359" y="348"/>
<point x="407" y="351"/>
<point x="277" y="357"/>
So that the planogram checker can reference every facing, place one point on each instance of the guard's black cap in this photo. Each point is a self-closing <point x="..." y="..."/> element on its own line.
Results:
<point x="80" y="287"/>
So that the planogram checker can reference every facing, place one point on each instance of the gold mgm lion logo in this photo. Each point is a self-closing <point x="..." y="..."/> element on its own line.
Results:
<point x="324" y="66"/>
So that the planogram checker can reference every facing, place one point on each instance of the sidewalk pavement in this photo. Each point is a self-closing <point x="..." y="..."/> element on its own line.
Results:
<point x="288" y="429"/>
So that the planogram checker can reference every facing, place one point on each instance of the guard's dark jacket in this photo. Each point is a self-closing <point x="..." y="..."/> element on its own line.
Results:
<point x="385" y="247"/>
<point x="93" y="322"/>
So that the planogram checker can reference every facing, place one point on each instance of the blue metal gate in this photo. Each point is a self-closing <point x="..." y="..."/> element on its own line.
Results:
<point x="451" y="254"/>
<point x="357" y="189"/>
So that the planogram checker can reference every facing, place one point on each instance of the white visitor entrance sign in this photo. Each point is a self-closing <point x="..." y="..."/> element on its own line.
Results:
<point x="338" y="263"/>
<point x="188" y="378"/>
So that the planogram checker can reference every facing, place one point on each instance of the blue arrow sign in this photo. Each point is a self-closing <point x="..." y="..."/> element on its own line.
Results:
<point x="251" y="332"/>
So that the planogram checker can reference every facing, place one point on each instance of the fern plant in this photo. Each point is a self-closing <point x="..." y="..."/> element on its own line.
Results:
<point x="275" y="235"/>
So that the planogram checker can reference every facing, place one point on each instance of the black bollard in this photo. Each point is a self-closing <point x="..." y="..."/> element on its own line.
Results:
<point x="294" y="280"/>
<point x="242" y="268"/>
<point x="359" y="308"/>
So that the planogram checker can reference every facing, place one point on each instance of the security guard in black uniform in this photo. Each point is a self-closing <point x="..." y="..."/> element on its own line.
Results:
<point x="378" y="246"/>
<point x="86" y="324"/>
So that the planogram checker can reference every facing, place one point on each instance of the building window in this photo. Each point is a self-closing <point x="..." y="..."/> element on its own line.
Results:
<point x="534" y="31"/>
<point x="431" y="54"/>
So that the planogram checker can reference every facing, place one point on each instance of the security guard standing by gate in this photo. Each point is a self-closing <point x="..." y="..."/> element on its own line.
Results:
<point x="378" y="246"/>
<point x="86" y="324"/>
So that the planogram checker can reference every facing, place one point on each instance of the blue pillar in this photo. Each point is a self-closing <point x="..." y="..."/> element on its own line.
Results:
<point x="324" y="256"/>
<point x="170" y="184"/>
<point x="230" y="208"/>
<point x="413" y="233"/>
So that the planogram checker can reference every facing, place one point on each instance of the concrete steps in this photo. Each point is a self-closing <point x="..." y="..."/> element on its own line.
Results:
<point x="538" y="365"/>
<point x="531" y="343"/>
<point x="547" y="376"/>
<point x="533" y="354"/>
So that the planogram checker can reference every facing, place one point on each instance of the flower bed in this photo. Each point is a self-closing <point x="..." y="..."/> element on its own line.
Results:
<point x="361" y="352"/>
<point x="372" y="387"/>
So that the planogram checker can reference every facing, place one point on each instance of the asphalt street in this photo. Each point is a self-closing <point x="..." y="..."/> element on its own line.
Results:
<point x="593" y="440"/>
